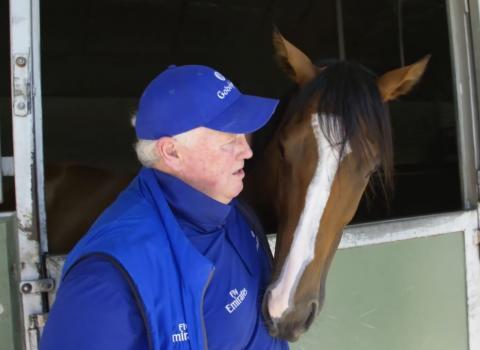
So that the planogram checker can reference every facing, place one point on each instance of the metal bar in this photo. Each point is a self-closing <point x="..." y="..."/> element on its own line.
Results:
<point x="467" y="125"/>
<point x="474" y="15"/>
<point x="466" y="17"/>
<point x="1" y="178"/>
<point x="403" y="229"/>
<point x="28" y="266"/>
<point x="401" y="45"/>
<point x="472" y="272"/>
<point x="340" y="32"/>
<point x="38" y="128"/>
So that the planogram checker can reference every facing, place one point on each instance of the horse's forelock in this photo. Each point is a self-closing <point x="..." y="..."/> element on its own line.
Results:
<point x="347" y="93"/>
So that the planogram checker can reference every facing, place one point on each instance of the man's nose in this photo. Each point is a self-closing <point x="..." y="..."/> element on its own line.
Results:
<point x="246" y="152"/>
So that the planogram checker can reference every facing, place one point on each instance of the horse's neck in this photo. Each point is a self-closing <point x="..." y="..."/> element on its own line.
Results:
<point x="261" y="185"/>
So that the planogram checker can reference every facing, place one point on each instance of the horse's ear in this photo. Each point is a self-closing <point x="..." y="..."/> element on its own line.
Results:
<point x="399" y="81"/>
<point x="292" y="60"/>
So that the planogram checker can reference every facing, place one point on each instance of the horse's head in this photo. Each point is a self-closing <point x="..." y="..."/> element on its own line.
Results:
<point x="337" y="134"/>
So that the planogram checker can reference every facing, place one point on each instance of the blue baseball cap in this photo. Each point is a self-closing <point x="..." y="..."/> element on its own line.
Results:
<point x="186" y="97"/>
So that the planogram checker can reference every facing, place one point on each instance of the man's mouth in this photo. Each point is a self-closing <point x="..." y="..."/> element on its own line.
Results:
<point x="239" y="172"/>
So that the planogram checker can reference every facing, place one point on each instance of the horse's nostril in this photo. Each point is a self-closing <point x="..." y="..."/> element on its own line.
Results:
<point x="273" y="329"/>
<point x="314" y="307"/>
<point x="269" y="322"/>
<point x="311" y="316"/>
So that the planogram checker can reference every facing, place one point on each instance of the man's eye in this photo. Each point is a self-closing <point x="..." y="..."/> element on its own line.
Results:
<point x="373" y="171"/>
<point x="230" y="142"/>
<point x="229" y="145"/>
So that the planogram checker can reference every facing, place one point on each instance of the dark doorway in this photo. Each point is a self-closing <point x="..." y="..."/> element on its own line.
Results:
<point x="97" y="56"/>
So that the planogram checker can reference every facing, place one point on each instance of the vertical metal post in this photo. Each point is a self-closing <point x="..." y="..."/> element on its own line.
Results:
<point x="473" y="10"/>
<point x="26" y="109"/>
<point x="464" y="64"/>
<point x="465" y="93"/>
<point x="340" y="32"/>
<point x="401" y="46"/>
<point x="1" y="177"/>
<point x="38" y="127"/>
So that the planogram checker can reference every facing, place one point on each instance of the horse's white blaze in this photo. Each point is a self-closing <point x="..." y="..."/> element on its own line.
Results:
<point x="302" y="250"/>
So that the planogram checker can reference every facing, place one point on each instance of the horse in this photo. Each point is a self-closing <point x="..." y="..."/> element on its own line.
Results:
<point x="75" y="195"/>
<point x="307" y="184"/>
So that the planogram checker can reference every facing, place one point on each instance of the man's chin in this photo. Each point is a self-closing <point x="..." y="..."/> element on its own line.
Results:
<point x="237" y="191"/>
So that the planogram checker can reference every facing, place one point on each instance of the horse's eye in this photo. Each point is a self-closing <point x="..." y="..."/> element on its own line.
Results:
<point x="373" y="171"/>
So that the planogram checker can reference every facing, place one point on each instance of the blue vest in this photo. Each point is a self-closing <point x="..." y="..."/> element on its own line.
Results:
<point x="167" y="275"/>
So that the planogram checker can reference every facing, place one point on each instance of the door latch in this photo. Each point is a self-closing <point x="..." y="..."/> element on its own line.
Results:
<point x="38" y="286"/>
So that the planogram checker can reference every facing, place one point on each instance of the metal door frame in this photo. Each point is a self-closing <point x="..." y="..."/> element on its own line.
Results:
<point x="28" y="163"/>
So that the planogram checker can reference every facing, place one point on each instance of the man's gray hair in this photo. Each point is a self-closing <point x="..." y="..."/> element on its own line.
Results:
<point x="145" y="149"/>
<point x="147" y="152"/>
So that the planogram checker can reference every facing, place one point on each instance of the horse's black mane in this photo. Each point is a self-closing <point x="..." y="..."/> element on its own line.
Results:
<point x="347" y="95"/>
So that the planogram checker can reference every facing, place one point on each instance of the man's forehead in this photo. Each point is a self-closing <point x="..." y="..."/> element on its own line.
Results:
<point x="217" y="133"/>
<point x="206" y="133"/>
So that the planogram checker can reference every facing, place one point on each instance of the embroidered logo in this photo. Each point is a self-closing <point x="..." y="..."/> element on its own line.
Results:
<point x="221" y="94"/>
<point x="238" y="298"/>
<point x="182" y="336"/>
<point x="219" y="76"/>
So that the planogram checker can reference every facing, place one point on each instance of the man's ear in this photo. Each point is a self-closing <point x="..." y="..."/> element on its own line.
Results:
<point x="167" y="149"/>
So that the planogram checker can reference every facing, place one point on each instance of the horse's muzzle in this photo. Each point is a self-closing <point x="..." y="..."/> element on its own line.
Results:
<point x="293" y="323"/>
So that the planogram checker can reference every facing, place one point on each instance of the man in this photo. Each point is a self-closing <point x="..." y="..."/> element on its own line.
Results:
<point x="175" y="261"/>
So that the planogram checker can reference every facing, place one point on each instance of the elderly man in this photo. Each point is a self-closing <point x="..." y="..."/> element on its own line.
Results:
<point x="175" y="262"/>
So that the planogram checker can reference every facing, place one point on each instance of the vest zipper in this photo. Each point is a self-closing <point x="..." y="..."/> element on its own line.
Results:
<point x="204" y="329"/>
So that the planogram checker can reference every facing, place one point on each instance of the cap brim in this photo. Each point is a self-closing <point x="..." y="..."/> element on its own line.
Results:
<point x="247" y="114"/>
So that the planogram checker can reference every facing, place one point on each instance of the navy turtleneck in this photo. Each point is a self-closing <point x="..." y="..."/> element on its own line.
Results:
<point x="194" y="209"/>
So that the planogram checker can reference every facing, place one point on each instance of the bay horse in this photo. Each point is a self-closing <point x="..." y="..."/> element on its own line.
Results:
<point x="307" y="184"/>
<point x="75" y="195"/>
